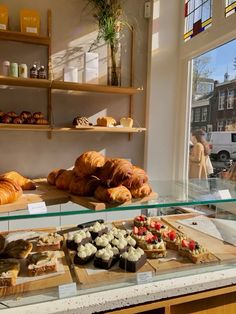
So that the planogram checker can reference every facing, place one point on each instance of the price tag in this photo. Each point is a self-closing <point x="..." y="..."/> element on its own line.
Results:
<point x="3" y="26"/>
<point x="37" y="208"/>
<point x="31" y="30"/>
<point x="68" y="290"/>
<point x="144" y="277"/>
<point x="224" y="194"/>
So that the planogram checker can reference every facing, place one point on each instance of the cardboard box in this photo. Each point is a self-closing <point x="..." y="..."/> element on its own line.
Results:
<point x="3" y="17"/>
<point x="29" y="21"/>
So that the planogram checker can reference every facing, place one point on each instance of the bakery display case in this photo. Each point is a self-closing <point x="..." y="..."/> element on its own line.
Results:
<point x="139" y="251"/>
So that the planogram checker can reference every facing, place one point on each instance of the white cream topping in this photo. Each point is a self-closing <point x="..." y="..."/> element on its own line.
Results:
<point x="80" y="235"/>
<point x="133" y="255"/>
<point x="102" y="241"/>
<point x="86" y="250"/>
<point x="107" y="253"/>
<point x="130" y="240"/>
<point x="97" y="227"/>
<point x="72" y="235"/>
<point x="50" y="238"/>
<point x="120" y="243"/>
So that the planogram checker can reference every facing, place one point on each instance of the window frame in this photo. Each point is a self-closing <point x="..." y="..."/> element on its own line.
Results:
<point x="229" y="98"/>
<point x="221" y="100"/>
<point x="204" y="114"/>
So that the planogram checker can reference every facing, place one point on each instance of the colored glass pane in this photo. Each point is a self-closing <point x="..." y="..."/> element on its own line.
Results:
<point x="198" y="17"/>
<point x="230" y="7"/>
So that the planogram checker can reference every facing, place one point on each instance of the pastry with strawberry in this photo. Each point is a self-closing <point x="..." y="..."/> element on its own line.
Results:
<point x="194" y="251"/>
<point x="140" y="221"/>
<point x="139" y="234"/>
<point x="154" y="246"/>
<point x="157" y="227"/>
<point x="173" y="239"/>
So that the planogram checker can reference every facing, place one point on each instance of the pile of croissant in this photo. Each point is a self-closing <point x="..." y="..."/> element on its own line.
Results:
<point x="110" y="180"/>
<point x="11" y="185"/>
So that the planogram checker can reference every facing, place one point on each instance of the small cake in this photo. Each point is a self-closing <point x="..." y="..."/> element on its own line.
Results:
<point x="85" y="254"/>
<point x="9" y="270"/>
<point x="173" y="239"/>
<point x="133" y="260"/>
<point x="131" y="241"/>
<point x="18" y="249"/>
<point x="118" y="232"/>
<point x="120" y="243"/>
<point x="49" y="242"/>
<point x="75" y="239"/>
<point x="154" y="246"/>
<point x="81" y="121"/>
<point x="157" y="227"/>
<point x="194" y="251"/>
<point x="139" y="234"/>
<point x="102" y="241"/>
<point x="41" y="263"/>
<point x="107" y="257"/>
<point x="140" y="221"/>
<point x="97" y="230"/>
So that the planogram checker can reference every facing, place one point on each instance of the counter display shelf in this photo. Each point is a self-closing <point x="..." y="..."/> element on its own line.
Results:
<point x="160" y="284"/>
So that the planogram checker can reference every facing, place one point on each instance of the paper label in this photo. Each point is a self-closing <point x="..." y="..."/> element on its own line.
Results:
<point x="37" y="208"/>
<point x="3" y="26"/>
<point x="224" y="194"/>
<point x="68" y="290"/>
<point x="144" y="277"/>
<point x="31" y="30"/>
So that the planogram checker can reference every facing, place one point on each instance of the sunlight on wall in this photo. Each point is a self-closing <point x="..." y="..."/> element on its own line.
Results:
<point x="155" y="26"/>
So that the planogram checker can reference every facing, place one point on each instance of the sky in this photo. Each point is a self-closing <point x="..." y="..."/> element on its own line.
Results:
<point x="221" y="61"/>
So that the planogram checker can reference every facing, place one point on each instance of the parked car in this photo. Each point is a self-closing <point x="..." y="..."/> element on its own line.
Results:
<point x="223" y="145"/>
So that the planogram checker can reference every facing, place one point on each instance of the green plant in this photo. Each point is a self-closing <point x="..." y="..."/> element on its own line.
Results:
<point x="110" y="19"/>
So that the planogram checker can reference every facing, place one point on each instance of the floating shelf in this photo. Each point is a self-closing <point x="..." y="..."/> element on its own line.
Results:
<point x="25" y="82"/>
<point x="95" y="88"/>
<point x="24" y="38"/>
<point x="46" y="128"/>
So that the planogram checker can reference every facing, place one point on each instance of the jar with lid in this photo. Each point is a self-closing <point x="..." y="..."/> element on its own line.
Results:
<point x="34" y="71"/>
<point x="42" y="73"/>
<point x="6" y="68"/>
<point x="23" y="70"/>
<point x="14" y="69"/>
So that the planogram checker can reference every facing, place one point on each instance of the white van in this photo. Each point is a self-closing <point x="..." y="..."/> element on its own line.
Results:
<point x="223" y="144"/>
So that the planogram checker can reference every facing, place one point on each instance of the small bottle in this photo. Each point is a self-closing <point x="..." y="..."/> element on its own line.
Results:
<point x="6" y="68"/>
<point x="13" y="69"/>
<point x="34" y="71"/>
<point x="23" y="70"/>
<point x="42" y="73"/>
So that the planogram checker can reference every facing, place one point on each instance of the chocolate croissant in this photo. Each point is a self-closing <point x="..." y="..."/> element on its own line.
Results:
<point x="88" y="163"/>
<point x="138" y="178"/>
<point x="84" y="186"/>
<point x="119" y="194"/>
<point x="64" y="179"/>
<point x="115" y="172"/>
<point x="10" y="191"/>
<point x="25" y="183"/>
<point x="143" y="191"/>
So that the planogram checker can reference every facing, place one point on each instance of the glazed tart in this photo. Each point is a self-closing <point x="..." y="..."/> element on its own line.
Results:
<point x="194" y="251"/>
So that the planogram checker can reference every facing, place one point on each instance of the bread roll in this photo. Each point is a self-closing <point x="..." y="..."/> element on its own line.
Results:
<point x="119" y="194"/>
<point x="88" y="163"/>
<point x="115" y="172"/>
<point x="10" y="191"/>
<point x="42" y="121"/>
<point x="106" y="121"/>
<point x="52" y="176"/>
<point x="138" y="178"/>
<point x="64" y="179"/>
<point x="25" y="183"/>
<point x="143" y="191"/>
<point x="84" y="186"/>
<point x="38" y="115"/>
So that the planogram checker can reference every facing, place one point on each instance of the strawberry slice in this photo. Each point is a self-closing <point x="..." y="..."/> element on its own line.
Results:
<point x="142" y="217"/>
<point x="152" y="224"/>
<point x="135" y="230"/>
<point x="149" y="237"/>
<point x="172" y="235"/>
<point x="165" y="235"/>
<point x="192" y="245"/>
<point x="138" y="218"/>
<point x="185" y="243"/>
<point x="158" y="226"/>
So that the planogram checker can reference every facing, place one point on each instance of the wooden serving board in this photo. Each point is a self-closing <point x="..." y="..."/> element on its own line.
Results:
<point x="93" y="203"/>
<point x="43" y="193"/>
<point x="222" y="250"/>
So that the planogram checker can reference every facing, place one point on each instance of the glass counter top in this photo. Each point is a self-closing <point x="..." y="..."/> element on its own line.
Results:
<point x="166" y="194"/>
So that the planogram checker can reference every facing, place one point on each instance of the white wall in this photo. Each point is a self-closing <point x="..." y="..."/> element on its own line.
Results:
<point x="31" y="153"/>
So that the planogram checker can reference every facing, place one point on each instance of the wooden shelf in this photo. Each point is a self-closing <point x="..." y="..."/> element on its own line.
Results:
<point x="95" y="88"/>
<point x="25" y="82"/>
<point x="24" y="38"/>
<point x="46" y="128"/>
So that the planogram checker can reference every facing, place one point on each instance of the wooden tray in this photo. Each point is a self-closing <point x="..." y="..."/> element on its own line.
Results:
<point x="92" y="203"/>
<point x="52" y="280"/>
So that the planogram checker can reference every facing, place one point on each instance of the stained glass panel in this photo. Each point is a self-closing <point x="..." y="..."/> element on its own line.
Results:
<point x="198" y="17"/>
<point x="230" y="7"/>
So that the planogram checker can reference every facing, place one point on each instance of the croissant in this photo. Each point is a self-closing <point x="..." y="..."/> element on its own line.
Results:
<point x="138" y="178"/>
<point x="52" y="176"/>
<point x="119" y="194"/>
<point x="88" y="163"/>
<point x="115" y="172"/>
<point x="84" y="186"/>
<point x="10" y="191"/>
<point x="25" y="184"/>
<point x="64" y="179"/>
<point x="143" y="191"/>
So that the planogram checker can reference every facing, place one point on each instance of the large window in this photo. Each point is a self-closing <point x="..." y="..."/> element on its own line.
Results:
<point x="230" y="99"/>
<point x="197" y="115"/>
<point x="198" y="17"/>
<point x="221" y="100"/>
<point x="204" y="114"/>
<point x="230" y="7"/>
